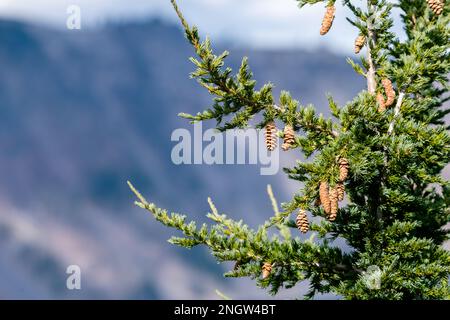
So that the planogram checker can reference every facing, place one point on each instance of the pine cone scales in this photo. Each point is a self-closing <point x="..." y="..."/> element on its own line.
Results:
<point x="266" y="270"/>
<point x="325" y="197"/>
<point x="389" y="90"/>
<point x="359" y="43"/>
<point x="289" y="137"/>
<point x="341" y="191"/>
<point x="334" y="204"/>
<point x="327" y="21"/>
<point x="343" y="169"/>
<point x="302" y="221"/>
<point x="437" y="6"/>
<point x="271" y="140"/>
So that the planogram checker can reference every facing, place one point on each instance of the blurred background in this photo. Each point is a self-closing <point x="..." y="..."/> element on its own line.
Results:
<point x="83" y="111"/>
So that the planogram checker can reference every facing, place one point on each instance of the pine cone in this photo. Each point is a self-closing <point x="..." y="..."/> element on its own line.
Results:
<point x="437" y="6"/>
<point x="302" y="221"/>
<point x="341" y="191"/>
<point x="327" y="21"/>
<point x="271" y="140"/>
<point x="289" y="138"/>
<point x="381" y="102"/>
<point x="359" y="43"/>
<point x="334" y="204"/>
<point x="389" y="90"/>
<point x="266" y="270"/>
<point x="325" y="197"/>
<point x="343" y="169"/>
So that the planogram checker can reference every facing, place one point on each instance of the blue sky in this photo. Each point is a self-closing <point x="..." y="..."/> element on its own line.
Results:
<point x="256" y="23"/>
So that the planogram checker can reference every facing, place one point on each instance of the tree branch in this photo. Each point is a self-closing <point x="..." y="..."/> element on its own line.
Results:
<point x="371" y="83"/>
<point x="396" y="112"/>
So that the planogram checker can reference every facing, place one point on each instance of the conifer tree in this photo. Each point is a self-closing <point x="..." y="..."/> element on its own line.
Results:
<point x="384" y="151"/>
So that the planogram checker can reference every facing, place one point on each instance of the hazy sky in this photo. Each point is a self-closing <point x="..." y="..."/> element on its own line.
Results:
<point x="260" y="23"/>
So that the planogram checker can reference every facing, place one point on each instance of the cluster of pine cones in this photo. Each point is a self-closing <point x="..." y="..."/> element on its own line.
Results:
<point x="330" y="197"/>
<point x="271" y="137"/>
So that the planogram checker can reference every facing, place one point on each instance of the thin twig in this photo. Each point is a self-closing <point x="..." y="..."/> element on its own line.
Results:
<point x="273" y="200"/>
<point x="223" y="296"/>
<point x="396" y="112"/>
<point x="180" y="15"/>
<point x="214" y="210"/>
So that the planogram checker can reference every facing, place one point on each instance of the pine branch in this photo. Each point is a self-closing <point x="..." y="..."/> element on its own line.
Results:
<point x="278" y="216"/>
<point x="234" y="241"/>
<point x="234" y="94"/>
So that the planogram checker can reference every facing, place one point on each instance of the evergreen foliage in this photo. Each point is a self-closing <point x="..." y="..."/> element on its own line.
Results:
<point x="397" y="200"/>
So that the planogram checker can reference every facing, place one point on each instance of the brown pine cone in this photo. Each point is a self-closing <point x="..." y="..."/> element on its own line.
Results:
<point x="289" y="138"/>
<point x="437" y="6"/>
<point x="343" y="169"/>
<point x="271" y="140"/>
<point x="341" y="191"/>
<point x="359" y="43"/>
<point x="381" y="102"/>
<point x="334" y="203"/>
<point x="325" y="197"/>
<point x="327" y="21"/>
<point x="266" y="270"/>
<point x="302" y="221"/>
<point x="390" y="92"/>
